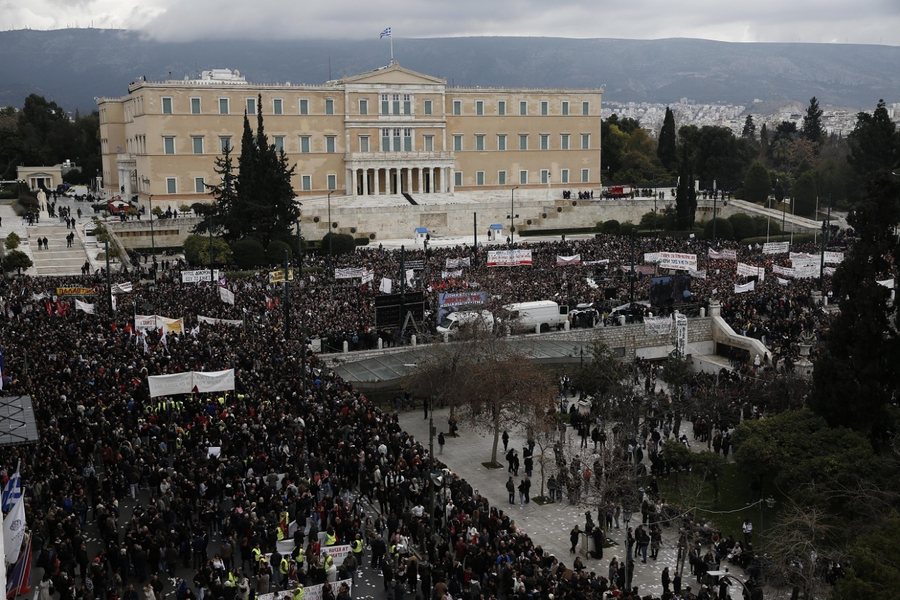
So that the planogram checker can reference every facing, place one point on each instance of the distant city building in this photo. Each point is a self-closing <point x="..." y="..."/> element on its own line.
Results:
<point x="387" y="131"/>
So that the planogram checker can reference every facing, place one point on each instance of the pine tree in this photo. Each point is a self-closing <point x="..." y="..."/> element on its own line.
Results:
<point x="685" y="195"/>
<point x="812" y="123"/>
<point x="665" y="150"/>
<point x="242" y="217"/>
<point x="764" y="142"/>
<point x="749" y="130"/>
<point x="218" y="217"/>
<point x="856" y="377"/>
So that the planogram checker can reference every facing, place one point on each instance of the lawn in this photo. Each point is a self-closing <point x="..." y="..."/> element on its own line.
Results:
<point x="687" y="491"/>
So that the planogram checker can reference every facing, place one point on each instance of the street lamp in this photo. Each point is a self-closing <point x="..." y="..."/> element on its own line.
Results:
<point x="330" y="233"/>
<point x="512" y="225"/>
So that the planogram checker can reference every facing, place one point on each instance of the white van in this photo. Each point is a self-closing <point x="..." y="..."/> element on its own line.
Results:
<point x="453" y="322"/>
<point x="531" y="316"/>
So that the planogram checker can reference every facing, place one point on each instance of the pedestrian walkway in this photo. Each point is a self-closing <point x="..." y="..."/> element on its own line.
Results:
<point x="548" y="525"/>
<point x="58" y="259"/>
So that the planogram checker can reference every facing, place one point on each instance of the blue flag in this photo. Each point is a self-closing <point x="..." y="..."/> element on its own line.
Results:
<point x="12" y="491"/>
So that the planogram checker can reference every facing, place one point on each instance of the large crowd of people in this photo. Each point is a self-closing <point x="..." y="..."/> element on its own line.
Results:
<point x="295" y="443"/>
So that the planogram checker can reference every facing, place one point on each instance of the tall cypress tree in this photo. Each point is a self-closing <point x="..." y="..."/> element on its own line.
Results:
<point x="219" y="217"/>
<point x="764" y="142"/>
<point x="856" y="377"/>
<point x="749" y="130"/>
<point x="685" y="195"/>
<point x="241" y="219"/>
<point x="812" y="123"/>
<point x="665" y="150"/>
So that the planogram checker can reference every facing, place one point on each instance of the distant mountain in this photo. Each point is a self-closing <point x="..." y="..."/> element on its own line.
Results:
<point x="72" y="66"/>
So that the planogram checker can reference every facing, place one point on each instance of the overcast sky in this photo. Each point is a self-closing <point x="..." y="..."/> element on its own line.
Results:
<point x="844" y="21"/>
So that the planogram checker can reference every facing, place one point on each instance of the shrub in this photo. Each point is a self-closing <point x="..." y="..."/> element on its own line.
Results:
<point x="248" y="253"/>
<point x="340" y="243"/>
<point x="16" y="261"/>
<point x="724" y="230"/>
<point x="12" y="241"/>
<point x="742" y="225"/>
<point x="611" y="226"/>
<point x="197" y="250"/>
<point x="275" y="253"/>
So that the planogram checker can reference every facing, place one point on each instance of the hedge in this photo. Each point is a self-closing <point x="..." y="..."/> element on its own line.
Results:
<point x="799" y="238"/>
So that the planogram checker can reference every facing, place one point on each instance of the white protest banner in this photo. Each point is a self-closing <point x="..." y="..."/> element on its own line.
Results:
<point x="168" y="385"/>
<point x="786" y="271"/>
<point x="651" y="257"/>
<point x="285" y="547"/>
<point x="509" y="258"/>
<point x="226" y="295"/>
<point x="697" y="274"/>
<point x="457" y="263"/>
<point x="782" y="281"/>
<point x="211" y="321"/>
<point x="451" y="274"/>
<point x="657" y="325"/>
<point x="745" y="270"/>
<point x="602" y="261"/>
<point x="170" y="325"/>
<point x="349" y="273"/>
<point x="562" y="261"/>
<point x="722" y="254"/>
<point x="214" y="452"/>
<point x="310" y="592"/>
<point x="122" y="288"/>
<point x="84" y="306"/>
<point x="801" y="256"/>
<point x="385" y="286"/>
<point x="677" y="260"/>
<point x="368" y="277"/>
<point x="834" y="258"/>
<point x="776" y="247"/>
<point x="198" y="276"/>
<point x="214" y="381"/>
<point x="410" y="276"/>
<point x="338" y="553"/>
<point x="188" y="381"/>
<point x="888" y="283"/>
<point x="145" y="322"/>
<point x="828" y="270"/>
<point x="746" y="287"/>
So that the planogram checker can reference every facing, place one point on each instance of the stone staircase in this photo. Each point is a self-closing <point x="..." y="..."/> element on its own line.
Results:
<point x="58" y="260"/>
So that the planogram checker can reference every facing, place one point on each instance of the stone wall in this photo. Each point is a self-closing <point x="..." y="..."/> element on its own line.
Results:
<point x="166" y="233"/>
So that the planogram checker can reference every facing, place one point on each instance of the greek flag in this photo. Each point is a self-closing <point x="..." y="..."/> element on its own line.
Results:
<point x="385" y="33"/>
<point x="12" y="491"/>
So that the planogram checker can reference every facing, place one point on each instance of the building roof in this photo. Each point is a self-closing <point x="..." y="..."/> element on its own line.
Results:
<point x="393" y="73"/>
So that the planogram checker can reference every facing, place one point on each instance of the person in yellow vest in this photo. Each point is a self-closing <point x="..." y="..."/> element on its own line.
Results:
<point x="330" y="537"/>
<point x="356" y="546"/>
<point x="329" y="561"/>
<point x="257" y="554"/>
<point x="299" y="558"/>
<point x="284" y="568"/>
<point x="299" y="592"/>
<point x="279" y="533"/>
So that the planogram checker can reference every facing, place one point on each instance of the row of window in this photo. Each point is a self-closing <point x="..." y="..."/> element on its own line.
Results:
<point x="224" y="105"/>
<point x="392" y="140"/>
<point x="201" y="188"/>
<point x="523" y="177"/>
<point x="391" y="104"/>
<point x="543" y="142"/>
<point x="523" y="108"/>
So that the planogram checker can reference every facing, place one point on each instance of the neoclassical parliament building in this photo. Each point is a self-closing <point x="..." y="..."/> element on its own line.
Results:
<point x="387" y="131"/>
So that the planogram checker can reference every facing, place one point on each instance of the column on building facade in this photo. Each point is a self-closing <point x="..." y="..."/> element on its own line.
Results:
<point x="407" y="172"/>
<point x="365" y="181"/>
<point x="421" y="189"/>
<point x="350" y="181"/>
<point x="377" y="182"/>
<point x="392" y="180"/>
<point x="434" y="176"/>
<point x="450" y="183"/>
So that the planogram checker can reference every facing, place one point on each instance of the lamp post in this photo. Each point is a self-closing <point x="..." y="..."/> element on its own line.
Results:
<point x="152" y="238"/>
<point x="330" y="235"/>
<point x="715" y="198"/>
<point x="626" y="517"/>
<point x="512" y="224"/>
<point x="299" y="250"/>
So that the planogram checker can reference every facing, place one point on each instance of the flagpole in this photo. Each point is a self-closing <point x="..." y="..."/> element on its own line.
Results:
<point x="391" y="37"/>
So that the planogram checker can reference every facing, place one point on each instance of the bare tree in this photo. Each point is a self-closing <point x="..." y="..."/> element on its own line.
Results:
<point x="798" y="541"/>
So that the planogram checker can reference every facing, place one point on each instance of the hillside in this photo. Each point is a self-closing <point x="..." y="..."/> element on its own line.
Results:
<point x="73" y="66"/>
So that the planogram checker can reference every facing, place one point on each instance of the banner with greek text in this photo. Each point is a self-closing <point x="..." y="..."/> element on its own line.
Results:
<point x="776" y="247"/>
<point x="745" y="270"/>
<point x="198" y="276"/>
<point x="657" y="325"/>
<point x="746" y="287"/>
<point x="461" y="298"/>
<point x="350" y="273"/>
<point x="188" y="381"/>
<point x="834" y="258"/>
<point x="451" y="274"/>
<point x="677" y="260"/>
<point x="786" y="271"/>
<point x="211" y="321"/>
<point x="170" y="325"/>
<point x="75" y="291"/>
<point x="509" y="258"/>
<point x="697" y="274"/>
<point x="651" y="257"/>
<point x="310" y="592"/>
<point x="457" y="263"/>
<point x="722" y="254"/>
<point x="562" y="261"/>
